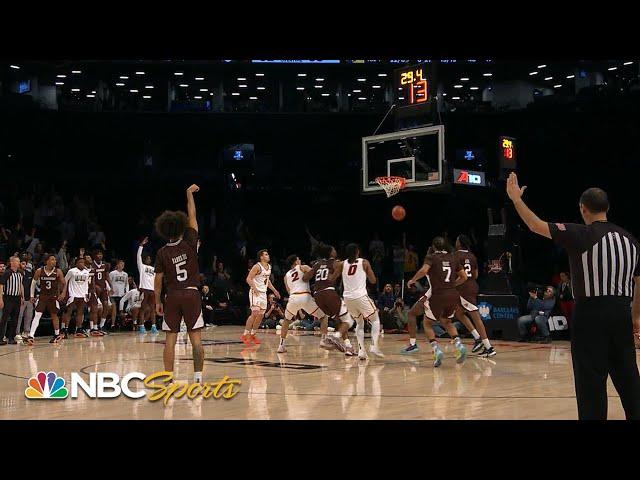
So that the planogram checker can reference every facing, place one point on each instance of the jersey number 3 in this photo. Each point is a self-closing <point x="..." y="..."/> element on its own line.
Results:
<point x="181" y="274"/>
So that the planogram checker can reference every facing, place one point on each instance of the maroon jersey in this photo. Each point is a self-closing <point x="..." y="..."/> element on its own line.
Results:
<point x="48" y="283"/>
<point x="178" y="261"/>
<point x="92" y="279"/>
<point x="323" y="274"/>
<point x="443" y="271"/>
<point x="100" y="273"/>
<point x="469" y="262"/>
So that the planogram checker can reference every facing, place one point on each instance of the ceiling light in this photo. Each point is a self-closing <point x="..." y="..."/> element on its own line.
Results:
<point x="357" y="91"/>
<point x="487" y="74"/>
<point x="362" y="98"/>
<point x="557" y="86"/>
<point x="204" y="89"/>
<point x="382" y="74"/>
<point x="464" y="79"/>
<point x="541" y="66"/>
<point x="133" y="90"/>
<point x="146" y="96"/>
<point x="184" y="85"/>
<point x="139" y="73"/>
<point x="627" y="63"/>
<point x="76" y="71"/>
<point x="235" y="94"/>
<point x="119" y="84"/>
<point x="178" y="74"/>
<point x="612" y="68"/>
<point x="375" y="86"/>
<point x="241" y="79"/>
<point x="548" y="78"/>
<point x="455" y="98"/>
<point x="253" y="98"/>
<point x="570" y="76"/>
<point x="197" y="97"/>
<point x="90" y="96"/>
<point x="261" y="88"/>
<point x="533" y="73"/>
<point x="199" y="78"/>
<point x="473" y="88"/>
<point x="61" y="76"/>
<point x="299" y="88"/>
<point x="444" y="94"/>
<point x="124" y="78"/>
<point x="59" y="83"/>
<point x="259" y="74"/>
<point x="457" y="86"/>
<point x="75" y="89"/>
<point x="244" y="85"/>
<point x="93" y="91"/>
<point x="325" y="94"/>
<point x="15" y="67"/>
<point x="317" y="86"/>
<point x="319" y="79"/>
<point x="149" y="86"/>
<point x="400" y="98"/>
<point x="362" y="79"/>
<point x="302" y="74"/>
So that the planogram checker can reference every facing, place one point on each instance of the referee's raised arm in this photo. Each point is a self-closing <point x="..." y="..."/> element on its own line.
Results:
<point x="604" y="260"/>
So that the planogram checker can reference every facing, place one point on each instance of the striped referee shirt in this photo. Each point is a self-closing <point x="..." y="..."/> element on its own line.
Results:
<point x="12" y="283"/>
<point x="603" y="258"/>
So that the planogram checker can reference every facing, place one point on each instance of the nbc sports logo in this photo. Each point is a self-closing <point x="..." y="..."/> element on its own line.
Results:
<point x="484" y="309"/>
<point x="46" y="386"/>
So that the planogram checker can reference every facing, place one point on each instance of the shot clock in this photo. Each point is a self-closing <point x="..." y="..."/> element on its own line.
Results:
<point x="414" y="93"/>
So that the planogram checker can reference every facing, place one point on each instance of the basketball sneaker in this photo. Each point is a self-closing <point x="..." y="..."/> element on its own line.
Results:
<point x="350" y="351"/>
<point x="337" y="342"/>
<point x="141" y="329"/>
<point x="326" y="344"/>
<point x="376" y="351"/>
<point x="154" y="329"/>
<point x="461" y="353"/>
<point x="246" y="339"/>
<point x="410" y="349"/>
<point x="255" y="340"/>
<point x="95" y="333"/>
<point x="103" y="331"/>
<point x="437" y="357"/>
<point x="65" y="333"/>
<point x="282" y="349"/>
<point x="18" y="338"/>
<point x="27" y="340"/>
<point x="80" y="334"/>
<point x="56" y="339"/>
<point x="477" y="345"/>
<point x="362" y="354"/>
<point x="488" y="352"/>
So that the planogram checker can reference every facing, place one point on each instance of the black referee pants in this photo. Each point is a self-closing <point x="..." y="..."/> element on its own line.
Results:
<point x="10" y="315"/>
<point x="602" y="345"/>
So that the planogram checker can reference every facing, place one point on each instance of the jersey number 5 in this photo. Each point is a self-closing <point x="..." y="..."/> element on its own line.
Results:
<point x="181" y="274"/>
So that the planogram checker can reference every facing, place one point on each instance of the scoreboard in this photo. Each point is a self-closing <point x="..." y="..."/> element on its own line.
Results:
<point x="414" y="94"/>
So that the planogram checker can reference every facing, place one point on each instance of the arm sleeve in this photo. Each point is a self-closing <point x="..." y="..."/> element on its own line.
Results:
<point x="568" y="235"/>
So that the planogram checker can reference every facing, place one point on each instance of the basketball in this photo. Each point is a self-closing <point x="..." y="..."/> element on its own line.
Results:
<point x="398" y="213"/>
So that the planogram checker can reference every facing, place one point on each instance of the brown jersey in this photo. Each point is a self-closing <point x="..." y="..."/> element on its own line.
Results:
<point x="92" y="277"/>
<point x="100" y="273"/>
<point x="323" y="274"/>
<point x="443" y="271"/>
<point x="469" y="262"/>
<point x="178" y="261"/>
<point x="49" y="284"/>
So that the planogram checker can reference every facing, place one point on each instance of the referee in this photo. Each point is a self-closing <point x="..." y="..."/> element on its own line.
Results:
<point x="11" y="297"/>
<point x="605" y="267"/>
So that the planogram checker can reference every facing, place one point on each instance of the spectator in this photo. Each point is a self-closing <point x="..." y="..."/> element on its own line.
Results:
<point x="410" y="262"/>
<point x="97" y="237"/>
<point x="208" y="305"/>
<point x="565" y="294"/>
<point x="386" y="302"/>
<point x="539" y="312"/>
<point x="273" y="314"/>
<point x="398" y="316"/>
<point x="397" y="290"/>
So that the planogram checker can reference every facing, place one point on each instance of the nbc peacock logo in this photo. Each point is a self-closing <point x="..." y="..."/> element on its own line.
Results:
<point x="45" y="386"/>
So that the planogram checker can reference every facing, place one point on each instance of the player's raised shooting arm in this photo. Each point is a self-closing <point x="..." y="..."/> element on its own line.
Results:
<point x="139" y="259"/>
<point x="528" y="217"/>
<point x="369" y="271"/>
<point x="191" y="206"/>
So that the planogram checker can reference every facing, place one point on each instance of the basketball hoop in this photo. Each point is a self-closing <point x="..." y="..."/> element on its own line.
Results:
<point x="391" y="185"/>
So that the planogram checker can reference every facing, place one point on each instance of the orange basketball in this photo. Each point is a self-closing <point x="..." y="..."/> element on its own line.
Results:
<point x="398" y="213"/>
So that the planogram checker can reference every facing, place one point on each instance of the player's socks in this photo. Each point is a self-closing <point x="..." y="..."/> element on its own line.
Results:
<point x="375" y="329"/>
<point x="91" y="326"/>
<point x="475" y="334"/>
<point x="34" y="324"/>
<point x="253" y="332"/>
<point x="347" y="343"/>
<point x="197" y="377"/>
<point x="412" y="341"/>
<point x="56" y="332"/>
<point x="246" y="332"/>
<point x="485" y="342"/>
<point x="360" y="335"/>
<point x="434" y="345"/>
<point x="282" y="341"/>
<point x="102" y="322"/>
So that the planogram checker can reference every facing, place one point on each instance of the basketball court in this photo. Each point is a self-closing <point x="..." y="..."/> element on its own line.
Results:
<point x="524" y="381"/>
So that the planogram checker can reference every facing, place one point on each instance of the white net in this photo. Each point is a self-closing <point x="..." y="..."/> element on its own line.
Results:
<point x="391" y="185"/>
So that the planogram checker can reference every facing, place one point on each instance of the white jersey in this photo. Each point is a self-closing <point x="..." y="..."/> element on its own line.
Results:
<point x="147" y="272"/>
<point x="78" y="282"/>
<point x="261" y="280"/>
<point x="133" y="298"/>
<point x="354" y="279"/>
<point x="119" y="282"/>
<point x="293" y="280"/>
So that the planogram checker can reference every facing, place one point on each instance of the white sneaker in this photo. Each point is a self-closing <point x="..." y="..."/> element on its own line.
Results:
<point x="362" y="354"/>
<point x="376" y="351"/>
<point x="18" y="338"/>
<point x="281" y="349"/>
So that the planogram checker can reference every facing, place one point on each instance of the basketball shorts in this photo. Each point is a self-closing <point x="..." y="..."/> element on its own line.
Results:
<point x="442" y="304"/>
<point x="184" y="305"/>
<point x="102" y="295"/>
<point x="76" y="303"/>
<point x="360" y="307"/>
<point x="47" y="304"/>
<point x="259" y="301"/>
<point x="148" y="300"/>
<point x="302" y="301"/>
<point x="330" y="303"/>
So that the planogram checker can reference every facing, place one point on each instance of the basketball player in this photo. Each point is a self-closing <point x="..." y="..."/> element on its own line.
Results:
<point x="76" y="293"/>
<point x="147" y="276"/>
<point x="50" y="279"/>
<point x="93" y="304"/>
<point x="258" y="281"/>
<point x="119" y="280"/>
<point x="469" y="298"/>
<point x="102" y="286"/>
<point x="177" y="265"/>
<point x="299" y="299"/>
<point x="326" y="273"/>
<point x="133" y="298"/>
<point x="355" y="273"/>
<point x="416" y="309"/>
<point x="441" y="265"/>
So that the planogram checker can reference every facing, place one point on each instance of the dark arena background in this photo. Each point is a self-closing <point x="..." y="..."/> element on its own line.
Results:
<point x="93" y="151"/>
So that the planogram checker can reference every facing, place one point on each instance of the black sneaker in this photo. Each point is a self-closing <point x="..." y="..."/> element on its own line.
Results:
<point x="488" y="352"/>
<point x="65" y="333"/>
<point x="3" y="342"/>
<point x="56" y="339"/>
<point x="28" y="340"/>
<point x="477" y="345"/>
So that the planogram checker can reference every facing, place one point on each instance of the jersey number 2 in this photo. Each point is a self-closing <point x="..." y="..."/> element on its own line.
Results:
<point x="181" y="274"/>
<point x="294" y="276"/>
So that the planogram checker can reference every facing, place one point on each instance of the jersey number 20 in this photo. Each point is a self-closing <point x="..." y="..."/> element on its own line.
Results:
<point x="322" y="274"/>
<point x="181" y="274"/>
